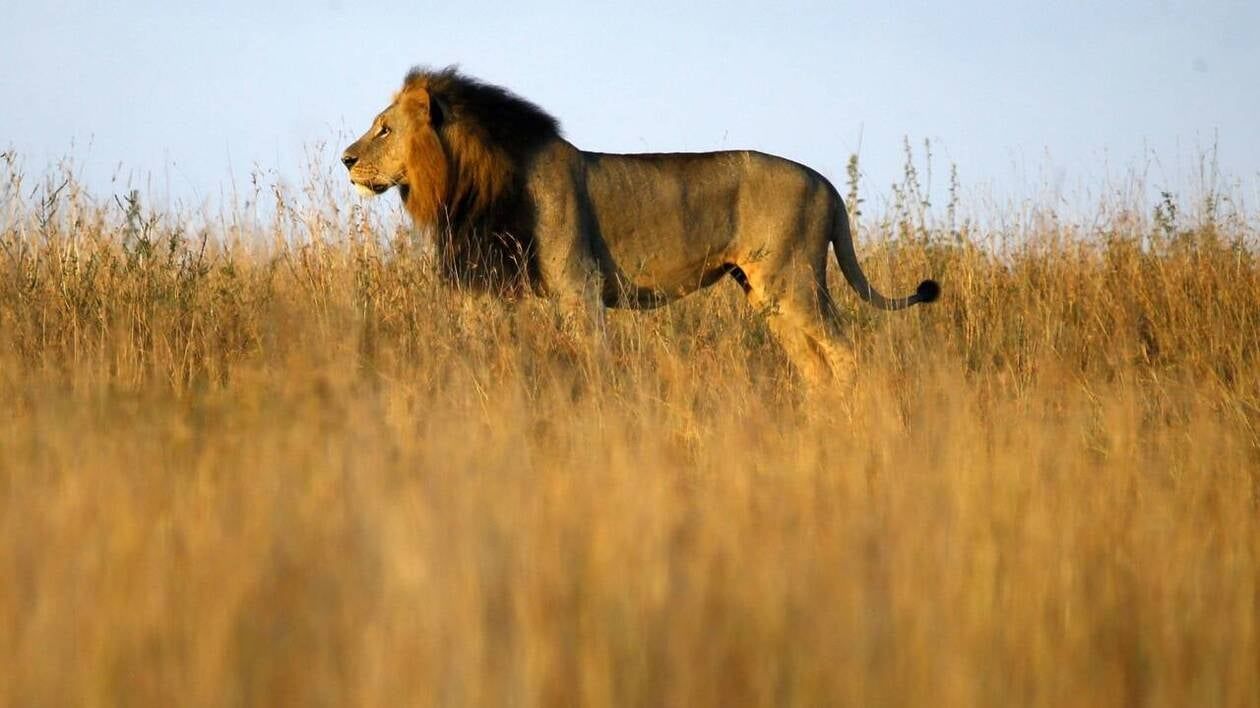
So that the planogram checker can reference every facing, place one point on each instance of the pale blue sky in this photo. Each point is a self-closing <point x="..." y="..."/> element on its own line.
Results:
<point x="1018" y="94"/>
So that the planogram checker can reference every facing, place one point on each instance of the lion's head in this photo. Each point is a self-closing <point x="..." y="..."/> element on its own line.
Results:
<point x="456" y="149"/>
<point x="378" y="160"/>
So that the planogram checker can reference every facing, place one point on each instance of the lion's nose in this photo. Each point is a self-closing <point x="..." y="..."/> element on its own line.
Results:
<point x="348" y="160"/>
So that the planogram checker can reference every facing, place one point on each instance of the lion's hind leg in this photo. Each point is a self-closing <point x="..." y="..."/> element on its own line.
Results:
<point x="823" y="355"/>
<point x="802" y="317"/>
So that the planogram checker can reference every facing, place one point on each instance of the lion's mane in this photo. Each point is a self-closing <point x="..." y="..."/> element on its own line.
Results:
<point x="482" y="220"/>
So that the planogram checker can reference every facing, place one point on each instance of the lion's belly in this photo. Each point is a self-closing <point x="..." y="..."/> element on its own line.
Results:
<point x="652" y="266"/>
<point x="665" y="222"/>
<point x="646" y="290"/>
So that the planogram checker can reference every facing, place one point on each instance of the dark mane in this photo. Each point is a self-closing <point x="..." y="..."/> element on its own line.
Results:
<point x="485" y="239"/>
<point x="505" y="119"/>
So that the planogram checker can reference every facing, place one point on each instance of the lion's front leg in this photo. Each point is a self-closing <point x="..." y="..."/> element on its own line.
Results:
<point x="572" y="280"/>
<point x="577" y="291"/>
<point x="564" y="238"/>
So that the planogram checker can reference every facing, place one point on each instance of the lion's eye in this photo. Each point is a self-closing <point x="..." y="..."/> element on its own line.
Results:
<point x="383" y="132"/>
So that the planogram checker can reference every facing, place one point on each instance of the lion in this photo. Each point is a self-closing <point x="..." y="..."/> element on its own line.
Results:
<point x="514" y="207"/>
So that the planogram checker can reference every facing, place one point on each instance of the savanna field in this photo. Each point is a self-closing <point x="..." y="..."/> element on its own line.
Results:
<point x="258" y="455"/>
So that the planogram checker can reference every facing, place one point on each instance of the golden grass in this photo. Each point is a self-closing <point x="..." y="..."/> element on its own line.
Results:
<point x="284" y="467"/>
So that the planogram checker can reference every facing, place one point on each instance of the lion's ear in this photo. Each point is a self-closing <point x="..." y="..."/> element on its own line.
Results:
<point x="439" y="112"/>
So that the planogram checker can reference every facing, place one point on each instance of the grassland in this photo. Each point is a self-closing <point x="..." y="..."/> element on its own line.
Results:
<point x="267" y="460"/>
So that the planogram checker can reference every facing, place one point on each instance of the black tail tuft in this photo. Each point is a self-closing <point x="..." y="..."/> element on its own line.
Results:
<point x="928" y="291"/>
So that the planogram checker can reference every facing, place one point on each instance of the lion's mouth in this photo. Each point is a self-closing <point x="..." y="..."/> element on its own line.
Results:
<point x="371" y="189"/>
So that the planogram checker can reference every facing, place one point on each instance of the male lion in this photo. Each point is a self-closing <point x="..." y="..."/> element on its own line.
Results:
<point x="514" y="206"/>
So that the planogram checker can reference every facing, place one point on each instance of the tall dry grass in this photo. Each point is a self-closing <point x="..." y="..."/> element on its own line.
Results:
<point x="262" y="458"/>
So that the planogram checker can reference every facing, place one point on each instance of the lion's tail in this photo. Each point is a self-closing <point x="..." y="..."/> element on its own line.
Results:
<point x="842" y="240"/>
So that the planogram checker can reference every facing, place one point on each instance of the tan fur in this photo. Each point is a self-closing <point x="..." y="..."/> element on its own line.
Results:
<point x="516" y="205"/>
<point x="426" y="166"/>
